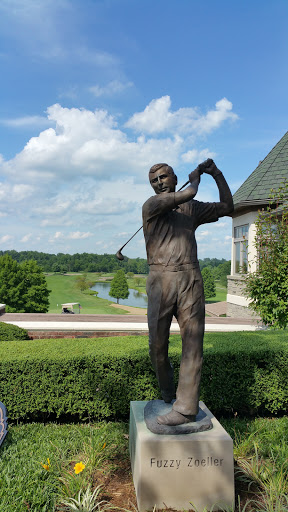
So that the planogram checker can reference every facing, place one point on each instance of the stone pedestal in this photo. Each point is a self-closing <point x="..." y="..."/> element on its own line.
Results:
<point x="183" y="471"/>
<point x="3" y="422"/>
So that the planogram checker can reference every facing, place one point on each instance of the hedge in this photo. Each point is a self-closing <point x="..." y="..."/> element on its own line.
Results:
<point x="243" y="373"/>
<point x="9" y="332"/>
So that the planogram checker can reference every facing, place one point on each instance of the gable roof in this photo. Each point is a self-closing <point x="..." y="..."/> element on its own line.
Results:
<point x="269" y="174"/>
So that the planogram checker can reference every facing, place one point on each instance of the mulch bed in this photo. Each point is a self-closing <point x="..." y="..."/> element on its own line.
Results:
<point x="118" y="489"/>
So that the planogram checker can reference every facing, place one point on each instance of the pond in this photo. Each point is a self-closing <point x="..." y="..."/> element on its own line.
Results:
<point x="135" y="299"/>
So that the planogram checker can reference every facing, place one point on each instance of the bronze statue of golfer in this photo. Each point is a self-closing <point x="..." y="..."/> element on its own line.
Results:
<point x="174" y="284"/>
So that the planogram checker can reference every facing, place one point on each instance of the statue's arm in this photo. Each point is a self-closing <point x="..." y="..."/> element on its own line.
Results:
<point x="163" y="203"/>
<point x="190" y="192"/>
<point x="225" y="205"/>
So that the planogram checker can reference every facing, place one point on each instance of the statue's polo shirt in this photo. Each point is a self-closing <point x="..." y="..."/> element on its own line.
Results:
<point x="170" y="230"/>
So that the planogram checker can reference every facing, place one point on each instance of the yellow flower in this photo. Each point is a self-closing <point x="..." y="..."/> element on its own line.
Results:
<point x="46" y="466"/>
<point x="79" y="467"/>
<point x="103" y="446"/>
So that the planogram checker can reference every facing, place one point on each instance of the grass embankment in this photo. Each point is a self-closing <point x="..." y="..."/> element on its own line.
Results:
<point x="25" y="484"/>
<point x="63" y="289"/>
<point x="221" y="294"/>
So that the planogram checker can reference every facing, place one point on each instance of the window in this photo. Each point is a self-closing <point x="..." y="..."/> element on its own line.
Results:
<point x="240" y="244"/>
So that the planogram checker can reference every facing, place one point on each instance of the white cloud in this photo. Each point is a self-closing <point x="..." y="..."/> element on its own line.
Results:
<point x="203" y="234"/>
<point x="92" y="143"/>
<point x="6" y="238"/>
<point x="26" y="121"/>
<point x="58" y="235"/>
<point x="195" y="155"/>
<point x="85" y="177"/>
<point x="86" y="142"/>
<point x="14" y="193"/>
<point x="26" y="238"/>
<point x="157" y="117"/>
<point x="77" y="235"/>
<point x="112" y="88"/>
<point x="73" y="235"/>
<point x="221" y="224"/>
<point x="56" y="221"/>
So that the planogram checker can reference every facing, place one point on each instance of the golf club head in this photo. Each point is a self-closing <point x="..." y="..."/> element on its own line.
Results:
<point x="119" y="255"/>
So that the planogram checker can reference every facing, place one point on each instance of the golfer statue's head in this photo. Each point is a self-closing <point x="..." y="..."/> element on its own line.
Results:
<point x="162" y="178"/>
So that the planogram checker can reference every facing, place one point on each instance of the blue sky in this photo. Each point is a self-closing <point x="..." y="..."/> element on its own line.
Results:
<point x="93" y="93"/>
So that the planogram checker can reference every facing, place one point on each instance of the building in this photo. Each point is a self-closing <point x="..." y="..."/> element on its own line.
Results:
<point x="252" y="196"/>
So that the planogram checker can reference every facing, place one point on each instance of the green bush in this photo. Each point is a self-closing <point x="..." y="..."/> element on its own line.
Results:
<point x="9" y="332"/>
<point x="243" y="372"/>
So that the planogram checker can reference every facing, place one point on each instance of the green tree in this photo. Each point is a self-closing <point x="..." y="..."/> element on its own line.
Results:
<point x="137" y="281"/>
<point x="119" y="286"/>
<point x="11" y="284"/>
<point x="35" y="293"/>
<point x="56" y="268"/>
<point x="83" y="283"/>
<point x="209" y="283"/>
<point x="267" y="287"/>
<point x="221" y="272"/>
<point x="23" y="287"/>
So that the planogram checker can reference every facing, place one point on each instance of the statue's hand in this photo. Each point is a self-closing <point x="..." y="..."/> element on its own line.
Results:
<point x="195" y="175"/>
<point x="208" y="167"/>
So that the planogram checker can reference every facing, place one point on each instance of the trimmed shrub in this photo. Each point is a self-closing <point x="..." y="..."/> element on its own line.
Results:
<point x="245" y="373"/>
<point x="9" y="332"/>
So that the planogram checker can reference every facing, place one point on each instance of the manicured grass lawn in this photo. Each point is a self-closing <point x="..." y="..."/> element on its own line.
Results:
<point x="63" y="290"/>
<point x="221" y="294"/>
<point x="137" y="283"/>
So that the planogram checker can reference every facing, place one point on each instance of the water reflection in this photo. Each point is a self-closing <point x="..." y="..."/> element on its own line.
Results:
<point x="136" y="299"/>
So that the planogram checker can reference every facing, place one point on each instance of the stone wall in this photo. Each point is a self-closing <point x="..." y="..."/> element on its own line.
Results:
<point x="235" y="285"/>
<point x="41" y="335"/>
<point x="235" y="311"/>
<point x="235" y="296"/>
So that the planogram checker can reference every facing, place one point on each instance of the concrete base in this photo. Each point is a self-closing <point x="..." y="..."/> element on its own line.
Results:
<point x="189" y="471"/>
<point x="3" y="422"/>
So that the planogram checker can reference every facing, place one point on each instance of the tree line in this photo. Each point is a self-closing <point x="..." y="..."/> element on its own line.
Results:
<point x="84" y="262"/>
<point x="90" y="262"/>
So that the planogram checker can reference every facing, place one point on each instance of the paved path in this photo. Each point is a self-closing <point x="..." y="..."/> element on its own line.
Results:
<point x="131" y="310"/>
<point x="213" y="309"/>
<point x="120" y="323"/>
<point x="216" y="308"/>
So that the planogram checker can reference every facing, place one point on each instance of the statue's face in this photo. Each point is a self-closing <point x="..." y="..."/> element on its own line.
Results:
<point x="162" y="181"/>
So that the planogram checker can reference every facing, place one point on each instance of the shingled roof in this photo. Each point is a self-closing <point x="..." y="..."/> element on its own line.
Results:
<point x="269" y="174"/>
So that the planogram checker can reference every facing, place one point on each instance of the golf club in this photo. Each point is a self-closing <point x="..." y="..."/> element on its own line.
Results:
<point x="119" y="254"/>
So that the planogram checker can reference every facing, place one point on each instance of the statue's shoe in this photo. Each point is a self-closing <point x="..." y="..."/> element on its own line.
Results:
<point x="174" y="418"/>
<point x="168" y="396"/>
<point x="168" y="399"/>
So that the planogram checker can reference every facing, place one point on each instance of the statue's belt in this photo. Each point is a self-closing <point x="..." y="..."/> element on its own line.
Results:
<point x="175" y="268"/>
